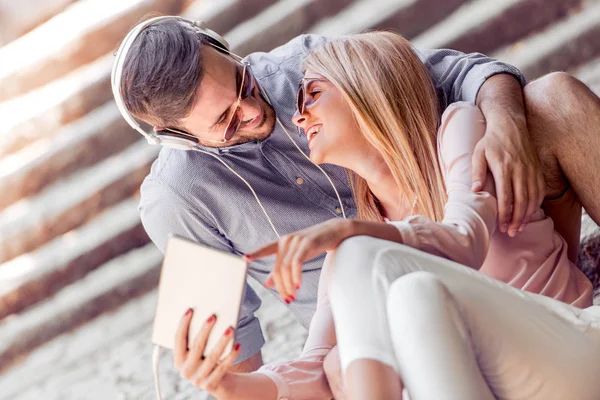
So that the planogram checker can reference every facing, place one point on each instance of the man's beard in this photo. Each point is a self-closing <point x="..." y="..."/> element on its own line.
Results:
<point x="258" y="133"/>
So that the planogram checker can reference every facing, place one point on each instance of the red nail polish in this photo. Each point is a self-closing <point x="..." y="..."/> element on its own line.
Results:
<point x="287" y="301"/>
<point x="236" y="347"/>
<point x="211" y="319"/>
<point x="293" y="297"/>
<point x="297" y="286"/>
<point x="188" y="312"/>
<point x="228" y="331"/>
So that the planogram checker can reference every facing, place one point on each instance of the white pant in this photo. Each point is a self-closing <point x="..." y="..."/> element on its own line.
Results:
<point x="453" y="333"/>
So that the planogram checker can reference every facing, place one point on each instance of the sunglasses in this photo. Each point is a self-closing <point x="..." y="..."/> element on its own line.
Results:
<point x="300" y="97"/>
<point x="244" y="85"/>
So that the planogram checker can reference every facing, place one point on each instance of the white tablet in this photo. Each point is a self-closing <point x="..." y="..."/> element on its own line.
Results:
<point x="207" y="280"/>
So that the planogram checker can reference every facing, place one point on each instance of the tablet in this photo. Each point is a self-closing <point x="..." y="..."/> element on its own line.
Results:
<point x="209" y="281"/>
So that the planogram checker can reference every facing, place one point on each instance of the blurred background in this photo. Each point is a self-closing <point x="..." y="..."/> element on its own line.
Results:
<point x="77" y="272"/>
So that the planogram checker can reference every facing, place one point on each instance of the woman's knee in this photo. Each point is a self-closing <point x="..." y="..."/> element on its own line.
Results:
<point x="353" y="264"/>
<point x="417" y="298"/>
<point x="416" y="287"/>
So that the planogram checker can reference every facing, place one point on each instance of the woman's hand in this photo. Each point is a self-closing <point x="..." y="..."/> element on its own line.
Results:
<point x="205" y="373"/>
<point x="294" y="249"/>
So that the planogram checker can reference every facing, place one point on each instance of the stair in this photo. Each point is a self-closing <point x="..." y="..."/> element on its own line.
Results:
<point x="77" y="271"/>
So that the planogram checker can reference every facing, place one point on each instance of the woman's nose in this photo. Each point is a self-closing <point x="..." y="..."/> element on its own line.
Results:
<point x="299" y="119"/>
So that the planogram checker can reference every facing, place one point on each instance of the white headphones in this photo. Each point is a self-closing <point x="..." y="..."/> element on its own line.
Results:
<point x="169" y="138"/>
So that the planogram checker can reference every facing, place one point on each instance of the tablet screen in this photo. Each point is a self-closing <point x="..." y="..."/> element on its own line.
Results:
<point x="207" y="280"/>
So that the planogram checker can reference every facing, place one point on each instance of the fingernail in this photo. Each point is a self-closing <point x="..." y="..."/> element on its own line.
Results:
<point x="475" y="185"/>
<point x="522" y="227"/>
<point x="293" y="297"/>
<point x="247" y="257"/>
<point x="228" y="331"/>
<point x="297" y="286"/>
<point x="188" y="312"/>
<point x="211" y="319"/>
<point x="236" y="347"/>
<point x="287" y="301"/>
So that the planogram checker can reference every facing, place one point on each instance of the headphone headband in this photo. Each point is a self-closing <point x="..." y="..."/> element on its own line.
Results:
<point x="117" y="70"/>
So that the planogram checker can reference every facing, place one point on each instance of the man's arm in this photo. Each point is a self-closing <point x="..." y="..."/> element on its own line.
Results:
<point x="496" y="87"/>
<point x="509" y="154"/>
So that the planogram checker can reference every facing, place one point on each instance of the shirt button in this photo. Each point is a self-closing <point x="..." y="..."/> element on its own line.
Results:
<point x="299" y="181"/>
<point x="338" y="210"/>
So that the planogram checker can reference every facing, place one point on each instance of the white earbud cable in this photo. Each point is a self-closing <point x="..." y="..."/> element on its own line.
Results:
<point x="156" y="354"/>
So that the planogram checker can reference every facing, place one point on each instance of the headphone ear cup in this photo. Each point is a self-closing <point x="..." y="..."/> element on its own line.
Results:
<point x="177" y="143"/>
<point x="211" y="35"/>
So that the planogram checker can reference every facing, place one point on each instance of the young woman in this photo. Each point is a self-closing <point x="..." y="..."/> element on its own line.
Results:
<point x="406" y="319"/>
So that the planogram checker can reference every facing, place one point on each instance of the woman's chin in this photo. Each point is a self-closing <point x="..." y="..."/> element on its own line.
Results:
<point x="315" y="157"/>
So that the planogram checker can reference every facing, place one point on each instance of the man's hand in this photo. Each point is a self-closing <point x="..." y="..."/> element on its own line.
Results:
<point x="508" y="153"/>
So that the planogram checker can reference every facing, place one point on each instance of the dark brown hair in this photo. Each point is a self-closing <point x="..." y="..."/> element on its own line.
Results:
<point x="162" y="73"/>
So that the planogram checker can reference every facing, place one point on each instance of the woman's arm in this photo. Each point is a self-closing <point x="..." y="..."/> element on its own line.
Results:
<point x="462" y="236"/>
<point x="469" y="217"/>
<point x="304" y="378"/>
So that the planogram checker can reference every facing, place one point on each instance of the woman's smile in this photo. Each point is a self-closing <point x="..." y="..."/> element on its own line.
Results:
<point x="312" y="132"/>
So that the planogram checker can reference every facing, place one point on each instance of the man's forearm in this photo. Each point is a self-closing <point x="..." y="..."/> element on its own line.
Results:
<point x="502" y="94"/>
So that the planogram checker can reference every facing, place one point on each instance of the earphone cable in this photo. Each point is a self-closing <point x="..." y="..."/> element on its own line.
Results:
<point x="247" y="184"/>
<point x="156" y="354"/>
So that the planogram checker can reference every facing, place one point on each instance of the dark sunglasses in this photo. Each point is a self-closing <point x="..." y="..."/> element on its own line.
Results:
<point x="300" y="97"/>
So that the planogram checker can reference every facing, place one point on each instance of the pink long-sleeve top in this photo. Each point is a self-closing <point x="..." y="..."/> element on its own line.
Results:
<point x="535" y="260"/>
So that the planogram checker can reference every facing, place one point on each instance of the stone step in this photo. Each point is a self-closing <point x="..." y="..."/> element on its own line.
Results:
<point x="565" y="44"/>
<point x="483" y="26"/>
<point x="112" y="353"/>
<point x="108" y="287"/>
<point x="279" y="23"/>
<point x="86" y="30"/>
<point x="19" y="17"/>
<point x="589" y="252"/>
<point x="224" y="15"/>
<point x="589" y="73"/>
<point x="407" y="17"/>
<point x="82" y="143"/>
<point x="41" y="113"/>
<point x="70" y="202"/>
<point x="29" y="278"/>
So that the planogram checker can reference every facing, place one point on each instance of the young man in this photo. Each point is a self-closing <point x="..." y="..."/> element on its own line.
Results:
<point x="253" y="183"/>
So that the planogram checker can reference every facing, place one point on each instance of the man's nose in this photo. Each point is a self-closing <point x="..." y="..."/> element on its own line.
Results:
<point x="249" y="108"/>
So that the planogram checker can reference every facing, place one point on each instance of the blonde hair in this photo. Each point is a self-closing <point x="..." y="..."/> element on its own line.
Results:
<point x="395" y="105"/>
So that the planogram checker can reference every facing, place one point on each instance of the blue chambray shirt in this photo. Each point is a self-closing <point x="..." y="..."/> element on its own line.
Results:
<point x="194" y="196"/>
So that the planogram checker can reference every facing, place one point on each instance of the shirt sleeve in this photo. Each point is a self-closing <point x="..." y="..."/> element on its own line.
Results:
<point x="304" y="378"/>
<point x="163" y="213"/>
<point x="458" y="76"/>
<point x="469" y="217"/>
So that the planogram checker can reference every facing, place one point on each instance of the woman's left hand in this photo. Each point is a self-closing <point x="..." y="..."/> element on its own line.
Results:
<point x="294" y="249"/>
